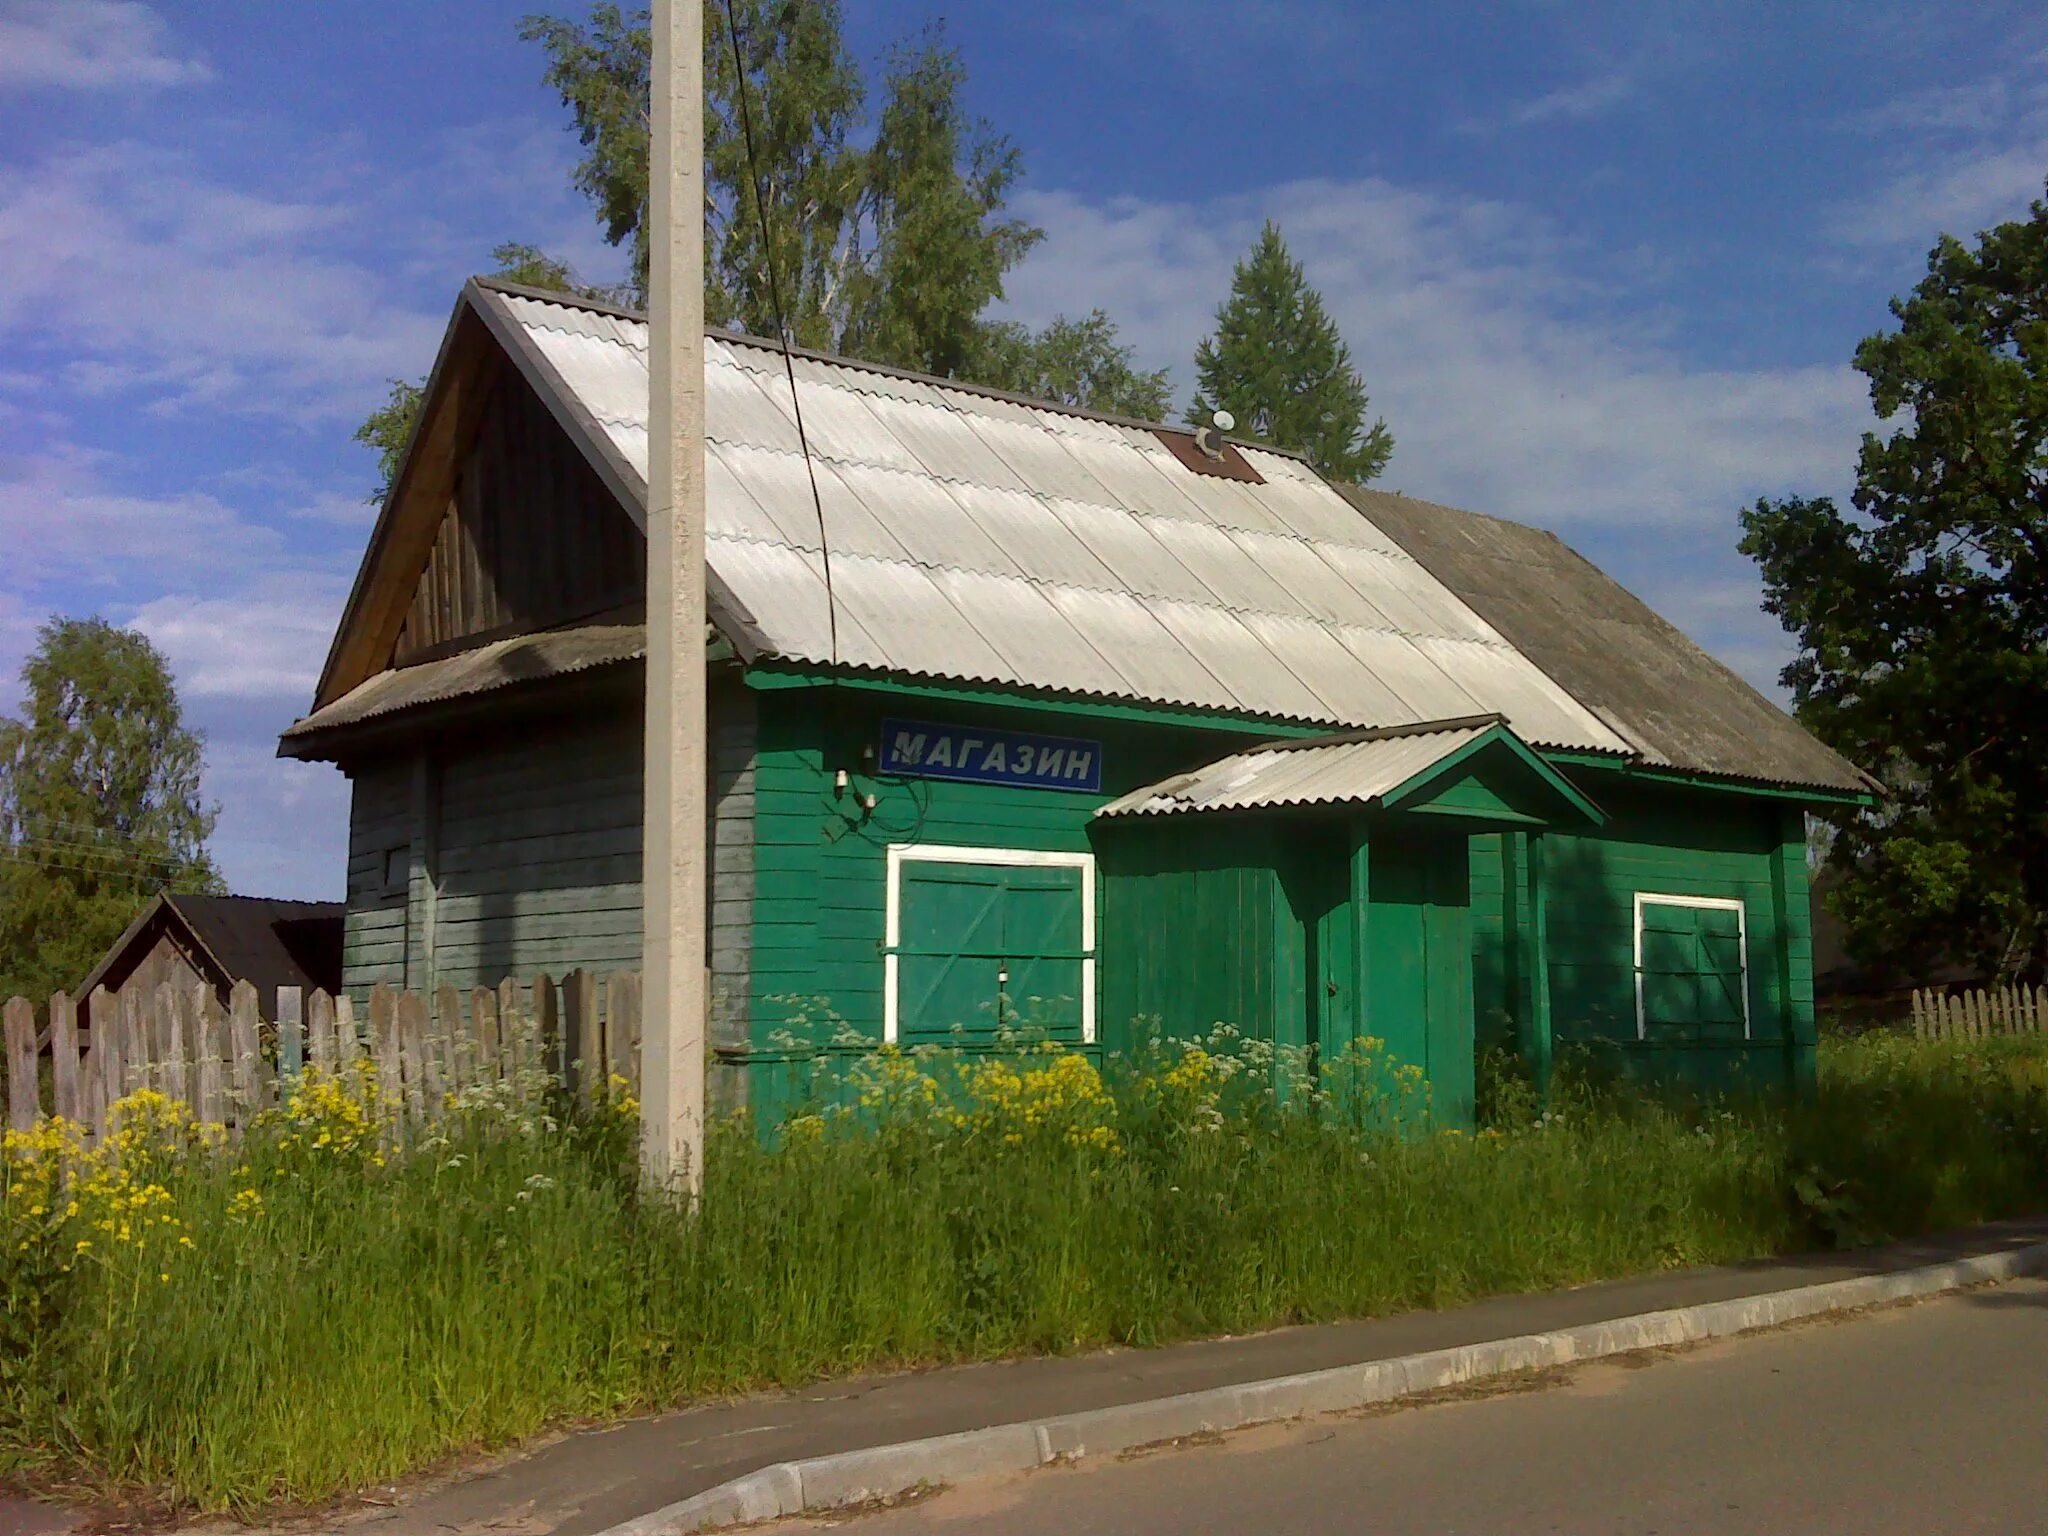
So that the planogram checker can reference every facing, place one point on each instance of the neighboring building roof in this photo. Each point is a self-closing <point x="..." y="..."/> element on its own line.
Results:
<point x="266" y="940"/>
<point x="1672" y="702"/>
<point x="976" y="537"/>
<point x="499" y="664"/>
<point x="1360" y="768"/>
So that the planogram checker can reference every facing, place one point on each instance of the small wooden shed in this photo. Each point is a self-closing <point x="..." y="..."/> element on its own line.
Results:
<point x="221" y="940"/>
<point x="1027" y="715"/>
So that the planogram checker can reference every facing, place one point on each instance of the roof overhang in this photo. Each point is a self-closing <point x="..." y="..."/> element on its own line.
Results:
<point x="1472" y="770"/>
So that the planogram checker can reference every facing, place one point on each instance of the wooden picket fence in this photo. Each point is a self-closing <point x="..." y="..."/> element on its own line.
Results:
<point x="1973" y="1014"/>
<point x="228" y="1065"/>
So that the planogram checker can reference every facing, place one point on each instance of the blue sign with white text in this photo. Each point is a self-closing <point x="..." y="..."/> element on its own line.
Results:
<point x="924" y="750"/>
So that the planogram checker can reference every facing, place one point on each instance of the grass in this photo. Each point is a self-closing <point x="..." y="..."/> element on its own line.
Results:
<point x="315" y="1310"/>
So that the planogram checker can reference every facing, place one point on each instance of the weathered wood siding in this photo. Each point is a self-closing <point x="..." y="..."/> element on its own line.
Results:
<point x="373" y="946"/>
<point x="531" y="536"/>
<point x="521" y="855"/>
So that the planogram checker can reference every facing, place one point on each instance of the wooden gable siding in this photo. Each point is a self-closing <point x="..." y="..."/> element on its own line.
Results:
<point x="531" y="537"/>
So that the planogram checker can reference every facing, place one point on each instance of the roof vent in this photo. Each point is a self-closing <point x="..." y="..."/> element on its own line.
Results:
<point x="1210" y="438"/>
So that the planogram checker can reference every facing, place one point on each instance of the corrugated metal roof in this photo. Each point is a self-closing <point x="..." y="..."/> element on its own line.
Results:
<point x="986" y="539"/>
<point x="1354" y="771"/>
<point x="519" y="659"/>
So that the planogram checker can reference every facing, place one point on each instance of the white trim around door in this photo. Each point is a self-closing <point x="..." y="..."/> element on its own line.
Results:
<point x="948" y="853"/>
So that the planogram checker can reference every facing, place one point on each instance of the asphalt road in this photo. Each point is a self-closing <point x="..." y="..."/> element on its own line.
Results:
<point x="1921" y="1419"/>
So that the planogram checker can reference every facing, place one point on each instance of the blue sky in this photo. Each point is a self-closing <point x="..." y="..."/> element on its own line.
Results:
<point x="1601" y="265"/>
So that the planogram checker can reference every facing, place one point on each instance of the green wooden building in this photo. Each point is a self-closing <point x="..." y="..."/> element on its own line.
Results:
<point x="1022" y="715"/>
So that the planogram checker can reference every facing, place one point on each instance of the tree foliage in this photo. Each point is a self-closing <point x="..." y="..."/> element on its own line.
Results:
<point x="100" y="802"/>
<point x="1276" y="355"/>
<point x="1073" y="362"/>
<point x="1922" y="616"/>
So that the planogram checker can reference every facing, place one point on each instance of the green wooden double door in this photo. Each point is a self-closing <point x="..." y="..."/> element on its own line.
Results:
<point x="1398" y="964"/>
<point x="990" y="946"/>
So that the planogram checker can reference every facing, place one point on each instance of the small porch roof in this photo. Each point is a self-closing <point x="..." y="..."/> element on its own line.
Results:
<point x="1395" y="768"/>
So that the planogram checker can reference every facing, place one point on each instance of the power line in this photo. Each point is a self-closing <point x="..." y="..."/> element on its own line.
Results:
<point x="732" y="32"/>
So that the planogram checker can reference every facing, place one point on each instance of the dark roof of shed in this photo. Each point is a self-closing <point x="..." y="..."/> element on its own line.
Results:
<point x="266" y="940"/>
<point x="1672" y="701"/>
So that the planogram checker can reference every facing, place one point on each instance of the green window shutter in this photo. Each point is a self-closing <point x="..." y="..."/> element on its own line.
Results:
<point x="1691" y="971"/>
<point x="985" y="946"/>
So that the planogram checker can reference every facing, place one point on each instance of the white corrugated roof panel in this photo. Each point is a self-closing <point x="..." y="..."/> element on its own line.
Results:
<point x="1126" y="631"/>
<point x="1542" y="711"/>
<point x="1330" y="669"/>
<point x="1239" y="659"/>
<point x="1020" y="621"/>
<point x="1041" y="460"/>
<point x="982" y="539"/>
<point x="914" y="623"/>
<point x="783" y="482"/>
<point x="1353" y="772"/>
<point x="926" y="519"/>
<point x="1033" y="536"/>
<point x="1140" y="562"/>
<point x="790" y="583"/>
<point x="944" y="444"/>
<point x="1223" y="566"/>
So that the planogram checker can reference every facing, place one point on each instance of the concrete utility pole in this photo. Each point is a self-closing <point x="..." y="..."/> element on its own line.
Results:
<point x="673" y="863"/>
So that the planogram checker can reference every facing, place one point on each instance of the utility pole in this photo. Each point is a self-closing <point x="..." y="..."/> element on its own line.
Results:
<point x="673" y="860"/>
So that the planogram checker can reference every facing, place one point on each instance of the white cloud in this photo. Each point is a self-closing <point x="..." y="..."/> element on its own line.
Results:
<point x="283" y="828"/>
<point x="1510" y="383"/>
<point x="1964" y="157"/>
<point x="1958" y="195"/>
<point x="60" y="519"/>
<point x="1574" y="103"/>
<point x="131" y="268"/>
<point x="265" y="641"/>
<point x="89" y="45"/>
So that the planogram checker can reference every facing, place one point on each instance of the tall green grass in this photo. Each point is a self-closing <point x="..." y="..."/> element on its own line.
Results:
<point x="305" y="1317"/>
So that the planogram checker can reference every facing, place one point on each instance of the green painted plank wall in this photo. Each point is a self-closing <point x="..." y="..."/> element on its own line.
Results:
<point x="821" y="863"/>
<point x="1666" y="841"/>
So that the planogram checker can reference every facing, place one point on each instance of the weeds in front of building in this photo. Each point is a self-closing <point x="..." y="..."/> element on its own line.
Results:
<point x="326" y="1303"/>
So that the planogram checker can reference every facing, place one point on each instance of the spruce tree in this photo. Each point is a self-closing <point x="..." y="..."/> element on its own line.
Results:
<point x="1276" y="351"/>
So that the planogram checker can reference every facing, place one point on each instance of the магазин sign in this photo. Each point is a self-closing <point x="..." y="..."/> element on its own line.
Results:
<point x="981" y="756"/>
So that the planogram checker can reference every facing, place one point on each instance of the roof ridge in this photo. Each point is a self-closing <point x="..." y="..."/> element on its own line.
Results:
<point x="882" y="370"/>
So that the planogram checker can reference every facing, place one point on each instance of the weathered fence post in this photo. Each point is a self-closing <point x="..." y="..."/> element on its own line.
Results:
<point x="348" y="1040"/>
<point x="135" y="1042"/>
<point x="447" y="1048"/>
<point x="487" y="1063"/>
<point x="384" y="1036"/>
<point x="412" y="1051"/>
<point x="24" y="1093"/>
<point x="582" y="1053"/>
<point x="245" y="1041"/>
<point x="104" y="1009"/>
<point x="511" y="1029"/>
<point x="547" y="1025"/>
<point x="622" y="1030"/>
<point x="68" y="1102"/>
<point x="209" y="1047"/>
<point x="174" y="1026"/>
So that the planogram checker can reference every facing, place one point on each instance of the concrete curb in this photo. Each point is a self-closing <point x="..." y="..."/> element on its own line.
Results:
<point x="884" y="1471"/>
